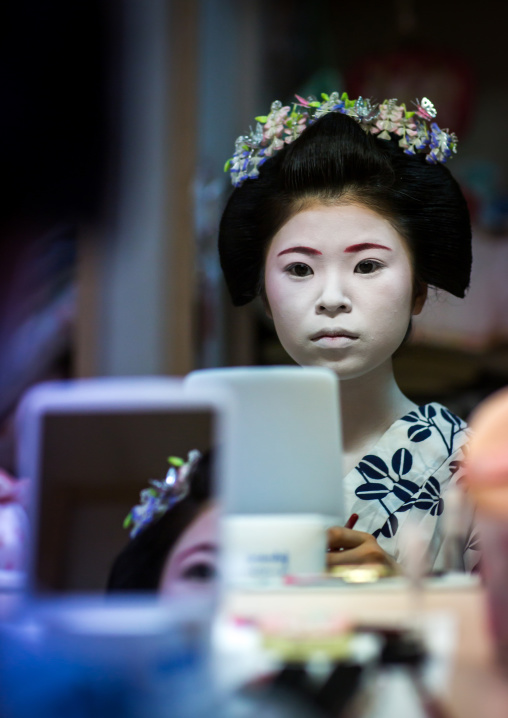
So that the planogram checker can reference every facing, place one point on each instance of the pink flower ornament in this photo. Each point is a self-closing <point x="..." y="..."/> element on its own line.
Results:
<point x="389" y="119"/>
<point x="274" y="125"/>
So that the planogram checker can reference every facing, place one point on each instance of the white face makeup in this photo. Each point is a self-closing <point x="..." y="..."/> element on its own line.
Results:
<point x="191" y="567"/>
<point x="339" y="285"/>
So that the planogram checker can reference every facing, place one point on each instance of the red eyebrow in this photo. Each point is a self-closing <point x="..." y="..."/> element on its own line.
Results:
<point x="365" y="245"/>
<point x="205" y="547"/>
<point x="300" y="250"/>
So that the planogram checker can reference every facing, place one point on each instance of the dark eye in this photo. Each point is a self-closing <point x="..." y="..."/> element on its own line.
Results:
<point x="367" y="266"/>
<point x="299" y="270"/>
<point x="200" y="572"/>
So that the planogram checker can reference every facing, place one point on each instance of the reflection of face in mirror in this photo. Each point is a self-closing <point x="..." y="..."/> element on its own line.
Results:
<point x="191" y="567"/>
<point x="175" y="552"/>
<point x="341" y="233"/>
<point x="94" y="458"/>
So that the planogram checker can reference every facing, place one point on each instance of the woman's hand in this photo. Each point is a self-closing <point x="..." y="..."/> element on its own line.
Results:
<point x="350" y="547"/>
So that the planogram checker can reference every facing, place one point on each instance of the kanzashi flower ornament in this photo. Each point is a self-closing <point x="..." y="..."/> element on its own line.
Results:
<point x="161" y="495"/>
<point x="417" y="130"/>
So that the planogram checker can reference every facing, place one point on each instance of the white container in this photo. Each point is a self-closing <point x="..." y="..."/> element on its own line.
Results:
<point x="265" y="549"/>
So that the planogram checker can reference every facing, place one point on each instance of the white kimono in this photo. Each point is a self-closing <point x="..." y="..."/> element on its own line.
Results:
<point x="407" y="474"/>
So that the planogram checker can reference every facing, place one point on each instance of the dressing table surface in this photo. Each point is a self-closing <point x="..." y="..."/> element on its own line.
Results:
<point x="476" y="686"/>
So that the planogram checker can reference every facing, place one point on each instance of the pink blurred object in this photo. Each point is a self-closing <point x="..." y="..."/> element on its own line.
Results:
<point x="16" y="490"/>
<point x="486" y="479"/>
<point x="14" y="529"/>
<point x="13" y="537"/>
<point x="486" y="476"/>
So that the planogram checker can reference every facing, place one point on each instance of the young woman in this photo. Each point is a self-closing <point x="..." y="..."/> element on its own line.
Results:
<point x="342" y="215"/>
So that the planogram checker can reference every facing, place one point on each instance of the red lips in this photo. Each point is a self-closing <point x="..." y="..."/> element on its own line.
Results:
<point x="333" y="333"/>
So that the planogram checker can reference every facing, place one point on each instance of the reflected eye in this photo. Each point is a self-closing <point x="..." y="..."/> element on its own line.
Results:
<point x="299" y="269"/>
<point x="367" y="266"/>
<point x="200" y="572"/>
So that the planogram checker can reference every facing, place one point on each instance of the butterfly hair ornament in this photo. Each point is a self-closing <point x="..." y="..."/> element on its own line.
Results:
<point x="417" y="130"/>
<point x="161" y="495"/>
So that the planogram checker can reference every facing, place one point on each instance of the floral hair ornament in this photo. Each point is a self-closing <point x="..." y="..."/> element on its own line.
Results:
<point x="162" y="495"/>
<point x="417" y="130"/>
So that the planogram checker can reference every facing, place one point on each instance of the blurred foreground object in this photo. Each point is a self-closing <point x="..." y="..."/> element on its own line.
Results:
<point x="14" y="530"/>
<point x="282" y="481"/>
<point x="84" y="657"/>
<point x="13" y="536"/>
<point x="487" y="482"/>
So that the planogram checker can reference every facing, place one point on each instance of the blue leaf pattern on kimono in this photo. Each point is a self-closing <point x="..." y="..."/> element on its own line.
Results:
<point x="407" y="470"/>
<point x="418" y="432"/>
<point x="427" y="411"/>
<point x="454" y="466"/>
<point x="390" y="527"/>
<point x="402" y="461"/>
<point x="371" y="491"/>
<point x="373" y="467"/>
<point x="407" y="506"/>
<point x="411" y="418"/>
<point x="405" y="489"/>
<point x="448" y="416"/>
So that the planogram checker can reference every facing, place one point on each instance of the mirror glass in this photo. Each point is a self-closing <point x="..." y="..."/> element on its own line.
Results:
<point x="93" y="466"/>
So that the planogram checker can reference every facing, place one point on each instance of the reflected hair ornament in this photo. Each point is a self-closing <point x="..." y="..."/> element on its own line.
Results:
<point x="162" y="495"/>
<point x="416" y="129"/>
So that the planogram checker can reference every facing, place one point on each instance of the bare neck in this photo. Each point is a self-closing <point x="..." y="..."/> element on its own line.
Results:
<point x="369" y="405"/>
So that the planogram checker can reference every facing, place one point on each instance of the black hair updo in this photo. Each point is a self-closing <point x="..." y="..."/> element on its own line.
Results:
<point x="334" y="161"/>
